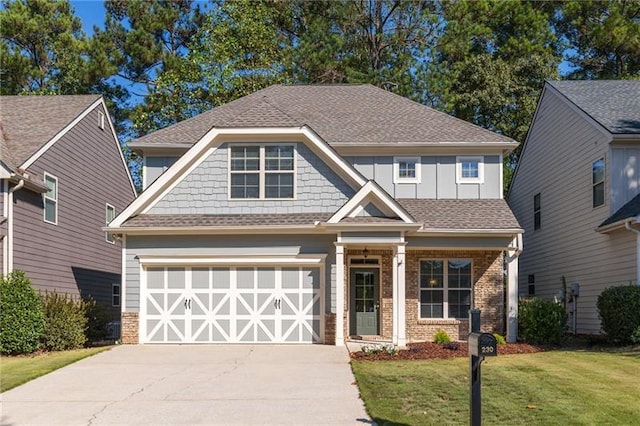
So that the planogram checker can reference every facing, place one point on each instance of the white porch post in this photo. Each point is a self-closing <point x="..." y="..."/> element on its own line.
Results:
<point x="400" y="318"/>
<point x="395" y="279"/>
<point x="340" y="286"/>
<point x="512" y="292"/>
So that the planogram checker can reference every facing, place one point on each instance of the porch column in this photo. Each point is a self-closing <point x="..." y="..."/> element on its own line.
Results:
<point x="400" y="305"/>
<point x="512" y="293"/>
<point x="339" y="294"/>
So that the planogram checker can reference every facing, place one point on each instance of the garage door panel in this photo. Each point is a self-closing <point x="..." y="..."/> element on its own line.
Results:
<point x="225" y="304"/>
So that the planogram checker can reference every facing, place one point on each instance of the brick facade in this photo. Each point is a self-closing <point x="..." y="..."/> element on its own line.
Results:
<point x="330" y="329"/>
<point x="129" y="333"/>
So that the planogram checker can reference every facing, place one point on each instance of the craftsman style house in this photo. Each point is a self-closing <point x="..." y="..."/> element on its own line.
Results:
<point x="576" y="192"/>
<point x="304" y="214"/>
<point x="62" y="179"/>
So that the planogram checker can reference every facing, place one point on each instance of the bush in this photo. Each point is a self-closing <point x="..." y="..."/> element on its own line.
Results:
<point x="542" y="321"/>
<point x="500" y="339"/>
<point x="65" y="322"/>
<point x="441" y="336"/>
<point x="21" y="315"/>
<point x="619" y="312"/>
<point x="635" y="337"/>
<point x="97" y="321"/>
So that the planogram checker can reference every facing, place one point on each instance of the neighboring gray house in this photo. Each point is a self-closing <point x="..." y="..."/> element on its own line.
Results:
<point x="63" y="177"/>
<point x="576" y="192"/>
<point x="314" y="214"/>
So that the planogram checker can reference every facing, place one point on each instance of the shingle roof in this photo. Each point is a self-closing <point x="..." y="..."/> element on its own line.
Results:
<point x="29" y="122"/>
<point x="223" y="221"/>
<point x="340" y="114"/>
<point x="615" y="104"/>
<point x="492" y="214"/>
<point x="629" y="210"/>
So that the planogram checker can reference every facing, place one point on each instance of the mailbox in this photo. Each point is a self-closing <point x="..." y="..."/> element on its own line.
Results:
<point x="482" y="344"/>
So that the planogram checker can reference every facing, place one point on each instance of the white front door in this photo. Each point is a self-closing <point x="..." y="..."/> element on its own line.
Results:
<point x="231" y="304"/>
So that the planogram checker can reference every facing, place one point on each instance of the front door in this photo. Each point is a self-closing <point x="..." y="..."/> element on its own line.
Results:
<point x="365" y="302"/>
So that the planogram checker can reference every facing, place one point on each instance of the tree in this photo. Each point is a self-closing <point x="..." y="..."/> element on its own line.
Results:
<point x="44" y="50"/>
<point x="603" y="37"/>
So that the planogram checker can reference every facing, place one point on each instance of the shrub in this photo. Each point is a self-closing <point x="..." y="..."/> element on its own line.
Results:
<point x="542" y="321"/>
<point x="619" y="312"/>
<point x="500" y="339"/>
<point x="97" y="321"/>
<point x="65" y="322"/>
<point x="21" y="315"/>
<point x="635" y="337"/>
<point x="441" y="336"/>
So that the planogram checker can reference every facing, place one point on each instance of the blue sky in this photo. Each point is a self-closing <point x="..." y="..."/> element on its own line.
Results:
<point x="91" y="12"/>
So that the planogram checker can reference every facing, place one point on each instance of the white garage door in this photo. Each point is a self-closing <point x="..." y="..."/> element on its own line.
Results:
<point x="230" y="305"/>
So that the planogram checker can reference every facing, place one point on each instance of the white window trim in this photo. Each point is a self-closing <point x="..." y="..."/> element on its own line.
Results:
<point x="113" y="287"/>
<point x="460" y="160"/>
<point x="396" y="170"/>
<point x="604" y="183"/>
<point x="107" y="222"/>
<point x="444" y="289"/>
<point x="262" y="172"/>
<point x="55" y="200"/>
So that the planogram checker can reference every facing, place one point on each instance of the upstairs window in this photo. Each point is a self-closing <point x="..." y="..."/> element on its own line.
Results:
<point x="536" y="212"/>
<point x="262" y="172"/>
<point x="406" y="169"/>
<point x="469" y="169"/>
<point x="51" y="199"/>
<point x="445" y="288"/>
<point x="597" y="172"/>
<point x="110" y="213"/>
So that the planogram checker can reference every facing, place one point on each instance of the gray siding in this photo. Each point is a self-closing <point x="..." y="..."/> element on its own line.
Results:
<point x="205" y="189"/>
<point x="155" y="166"/>
<point x="625" y="179"/>
<point x="73" y="257"/>
<point x="213" y="245"/>
<point x="556" y="163"/>
<point x="438" y="178"/>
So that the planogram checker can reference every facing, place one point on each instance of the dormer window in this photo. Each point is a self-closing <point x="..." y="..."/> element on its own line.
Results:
<point x="470" y="169"/>
<point x="262" y="172"/>
<point x="406" y="169"/>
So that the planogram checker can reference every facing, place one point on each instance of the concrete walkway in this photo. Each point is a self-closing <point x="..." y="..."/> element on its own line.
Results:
<point x="209" y="384"/>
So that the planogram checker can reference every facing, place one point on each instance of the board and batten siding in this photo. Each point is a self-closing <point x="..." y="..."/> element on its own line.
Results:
<point x="557" y="163"/>
<point x="438" y="177"/>
<point x="228" y="246"/>
<point x="73" y="256"/>
<point x="205" y="189"/>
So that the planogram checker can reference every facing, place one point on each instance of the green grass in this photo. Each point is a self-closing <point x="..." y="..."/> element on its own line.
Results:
<point x="16" y="370"/>
<point x="558" y="387"/>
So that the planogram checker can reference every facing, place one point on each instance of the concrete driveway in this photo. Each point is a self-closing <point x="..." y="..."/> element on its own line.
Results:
<point x="310" y="384"/>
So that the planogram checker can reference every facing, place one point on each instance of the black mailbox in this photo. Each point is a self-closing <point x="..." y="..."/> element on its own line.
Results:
<point x="482" y="344"/>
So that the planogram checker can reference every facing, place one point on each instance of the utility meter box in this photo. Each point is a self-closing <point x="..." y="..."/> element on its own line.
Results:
<point x="482" y="344"/>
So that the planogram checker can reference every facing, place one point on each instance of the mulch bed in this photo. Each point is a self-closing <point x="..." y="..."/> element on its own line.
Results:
<point x="428" y="350"/>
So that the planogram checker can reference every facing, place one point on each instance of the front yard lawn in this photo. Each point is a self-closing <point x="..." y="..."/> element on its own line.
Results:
<point x="557" y="387"/>
<point x="16" y="370"/>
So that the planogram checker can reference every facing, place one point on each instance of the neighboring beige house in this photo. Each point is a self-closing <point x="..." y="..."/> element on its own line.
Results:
<point x="576" y="193"/>
<point x="316" y="214"/>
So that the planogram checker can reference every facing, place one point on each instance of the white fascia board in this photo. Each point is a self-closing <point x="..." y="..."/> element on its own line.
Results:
<point x="119" y="146"/>
<point x="366" y="192"/>
<point x="415" y="149"/>
<point x="267" y="259"/>
<point x="198" y="153"/>
<point x="374" y="227"/>
<point x="466" y="232"/>
<point x="211" y="230"/>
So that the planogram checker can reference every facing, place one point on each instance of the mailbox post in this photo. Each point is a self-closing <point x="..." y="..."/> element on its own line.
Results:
<point x="480" y="345"/>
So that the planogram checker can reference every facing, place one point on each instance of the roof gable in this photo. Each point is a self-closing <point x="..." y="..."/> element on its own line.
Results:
<point x="358" y="114"/>
<point x="614" y="104"/>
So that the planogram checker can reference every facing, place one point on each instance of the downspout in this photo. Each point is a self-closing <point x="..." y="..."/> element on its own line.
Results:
<point x="512" y="289"/>
<point x="9" y="254"/>
<point x="627" y="225"/>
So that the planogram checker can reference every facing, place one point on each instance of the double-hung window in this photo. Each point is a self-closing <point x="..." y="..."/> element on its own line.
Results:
<point x="115" y="294"/>
<point x="110" y="213"/>
<point x="470" y="169"/>
<point x="597" y="172"/>
<point x="51" y="199"/>
<point x="262" y="172"/>
<point x="445" y="288"/>
<point x="406" y="169"/>
<point x="537" y="209"/>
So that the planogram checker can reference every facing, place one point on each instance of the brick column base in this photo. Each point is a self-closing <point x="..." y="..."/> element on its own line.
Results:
<point x="330" y="329"/>
<point x="129" y="328"/>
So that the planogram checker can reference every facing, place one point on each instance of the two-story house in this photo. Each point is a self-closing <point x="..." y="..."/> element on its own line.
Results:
<point x="317" y="214"/>
<point x="576" y="193"/>
<point x="63" y="178"/>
